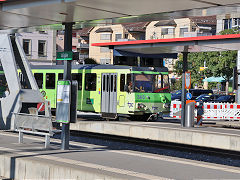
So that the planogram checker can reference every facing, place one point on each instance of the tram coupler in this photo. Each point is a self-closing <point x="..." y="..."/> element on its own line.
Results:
<point x="154" y="117"/>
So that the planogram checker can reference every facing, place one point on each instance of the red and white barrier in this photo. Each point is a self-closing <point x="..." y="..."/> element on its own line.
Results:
<point x="175" y="109"/>
<point x="211" y="110"/>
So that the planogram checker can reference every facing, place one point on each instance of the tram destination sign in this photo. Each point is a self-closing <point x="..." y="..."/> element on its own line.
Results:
<point x="66" y="55"/>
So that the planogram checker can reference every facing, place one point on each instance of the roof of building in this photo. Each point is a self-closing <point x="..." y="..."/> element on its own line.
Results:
<point x="136" y="27"/>
<point x="204" y="20"/>
<point x="83" y="31"/>
<point x="165" y="23"/>
<point x="107" y="29"/>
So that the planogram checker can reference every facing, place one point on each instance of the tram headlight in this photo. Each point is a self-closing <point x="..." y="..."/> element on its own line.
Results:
<point x="141" y="106"/>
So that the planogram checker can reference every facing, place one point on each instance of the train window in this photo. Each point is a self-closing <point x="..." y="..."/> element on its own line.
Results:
<point x="129" y="79"/>
<point x="104" y="81"/>
<point x="158" y="82"/>
<point x="115" y="83"/>
<point x="39" y="79"/>
<point x="4" y="90"/>
<point x="165" y="81"/>
<point x="50" y="81"/>
<point x="122" y="82"/>
<point x="111" y="83"/>
<point x="107" y="83"/>
<point x="78" y="78"/>
<point x="60" y="76"/>
<point x="90" y="81"/>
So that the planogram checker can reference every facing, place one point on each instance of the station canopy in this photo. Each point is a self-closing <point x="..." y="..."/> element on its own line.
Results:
<point x="17" y="14"/>
<point x="177" y="45"/>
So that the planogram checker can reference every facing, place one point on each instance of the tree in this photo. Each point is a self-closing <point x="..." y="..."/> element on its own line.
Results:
<point x="195" y="61"/>
<point x="219" y="64"/>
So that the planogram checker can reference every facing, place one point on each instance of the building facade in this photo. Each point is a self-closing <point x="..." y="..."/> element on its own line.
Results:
<point x="113" y="33"/>
<point x="228" y="21"/>
<point x="39" y="47"/>
<point x="183" y="27"/>
<point x="80" y="44"/>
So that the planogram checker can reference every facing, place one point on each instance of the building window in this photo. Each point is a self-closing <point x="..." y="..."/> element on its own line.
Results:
<point x="227" y="24"/>
<point x="50" y="81"/>
<point x="118" y="36"/>
<point x="39" y="79"/>
<point x="236" y="22"/>
<point x="42" y="48"/>
<point x="90" y="81"/>
<point x="105" y="61"/>
<point x="104" y="49"/>
<point x="167" y="31"/>
<point x="27" y="46"/>
<point x="182" y="31"/>
<point x="106" y="36"/>
<point x="125" y="36"/>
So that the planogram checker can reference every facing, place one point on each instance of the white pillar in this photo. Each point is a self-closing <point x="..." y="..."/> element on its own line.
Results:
<point x="238" y="70"/>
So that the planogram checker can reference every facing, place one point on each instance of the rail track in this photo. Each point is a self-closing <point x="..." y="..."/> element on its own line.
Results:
<point x="157" y="144"/>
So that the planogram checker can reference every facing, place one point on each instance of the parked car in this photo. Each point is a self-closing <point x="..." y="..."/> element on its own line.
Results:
<point x="195" y="93"/>
<point x="177" y="95"/>
<point x="225" y="98"/>
<point x="207" y="97"/>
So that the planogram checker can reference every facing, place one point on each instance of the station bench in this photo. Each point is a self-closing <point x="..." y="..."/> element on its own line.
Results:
<point x="34" y="124"/>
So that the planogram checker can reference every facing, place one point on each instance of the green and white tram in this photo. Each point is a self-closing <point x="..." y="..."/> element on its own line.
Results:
<point x="111" y="90"/>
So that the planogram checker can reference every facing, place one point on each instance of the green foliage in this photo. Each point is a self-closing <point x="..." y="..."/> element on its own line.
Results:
<point x="212" y="85"/>
<point x="176" y="85"/>
<point x="230" y="31"/>
<point x="219" y="64"/>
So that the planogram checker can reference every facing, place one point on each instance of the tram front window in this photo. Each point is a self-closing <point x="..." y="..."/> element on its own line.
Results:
<point x="148" y="83"/>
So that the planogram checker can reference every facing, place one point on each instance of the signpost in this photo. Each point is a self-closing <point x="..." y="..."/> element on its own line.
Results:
<point x="66" y="55"/>
<point x="188" y="96"/>
<point x="187" y="80"/>
<point x="63" y="101"/>
<point x="65" y="135"/>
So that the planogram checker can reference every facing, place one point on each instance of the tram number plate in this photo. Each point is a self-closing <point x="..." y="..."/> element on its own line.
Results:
<point x="140" y="96"/>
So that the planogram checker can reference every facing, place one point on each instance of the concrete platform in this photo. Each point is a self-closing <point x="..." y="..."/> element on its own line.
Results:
<point x="205" y="136"/>
<point x="95" y="162"/>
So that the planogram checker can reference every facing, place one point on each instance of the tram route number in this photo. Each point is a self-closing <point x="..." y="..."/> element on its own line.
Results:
<point x="141" y="97"/>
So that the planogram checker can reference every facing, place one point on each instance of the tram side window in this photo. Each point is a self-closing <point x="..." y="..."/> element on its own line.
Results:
<point x="165" y="81"/>
<point x="158" y="83"/>
<point x="3" y="86"/>
<point x="39" y="79"/>
<point x="111" y="83"/>
<point x="60" y="76"/>
<point x="90" y="81"/>
<point x="122" y="82"/>
<point x="115" y="83"/>
<point x="50" y="81"/>
<point x="129" y="79"/>
<point x="129" y="83"/>
<point x="78" y="78"/>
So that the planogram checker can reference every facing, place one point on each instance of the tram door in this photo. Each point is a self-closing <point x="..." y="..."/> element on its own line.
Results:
<point x="109" y="93"/>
